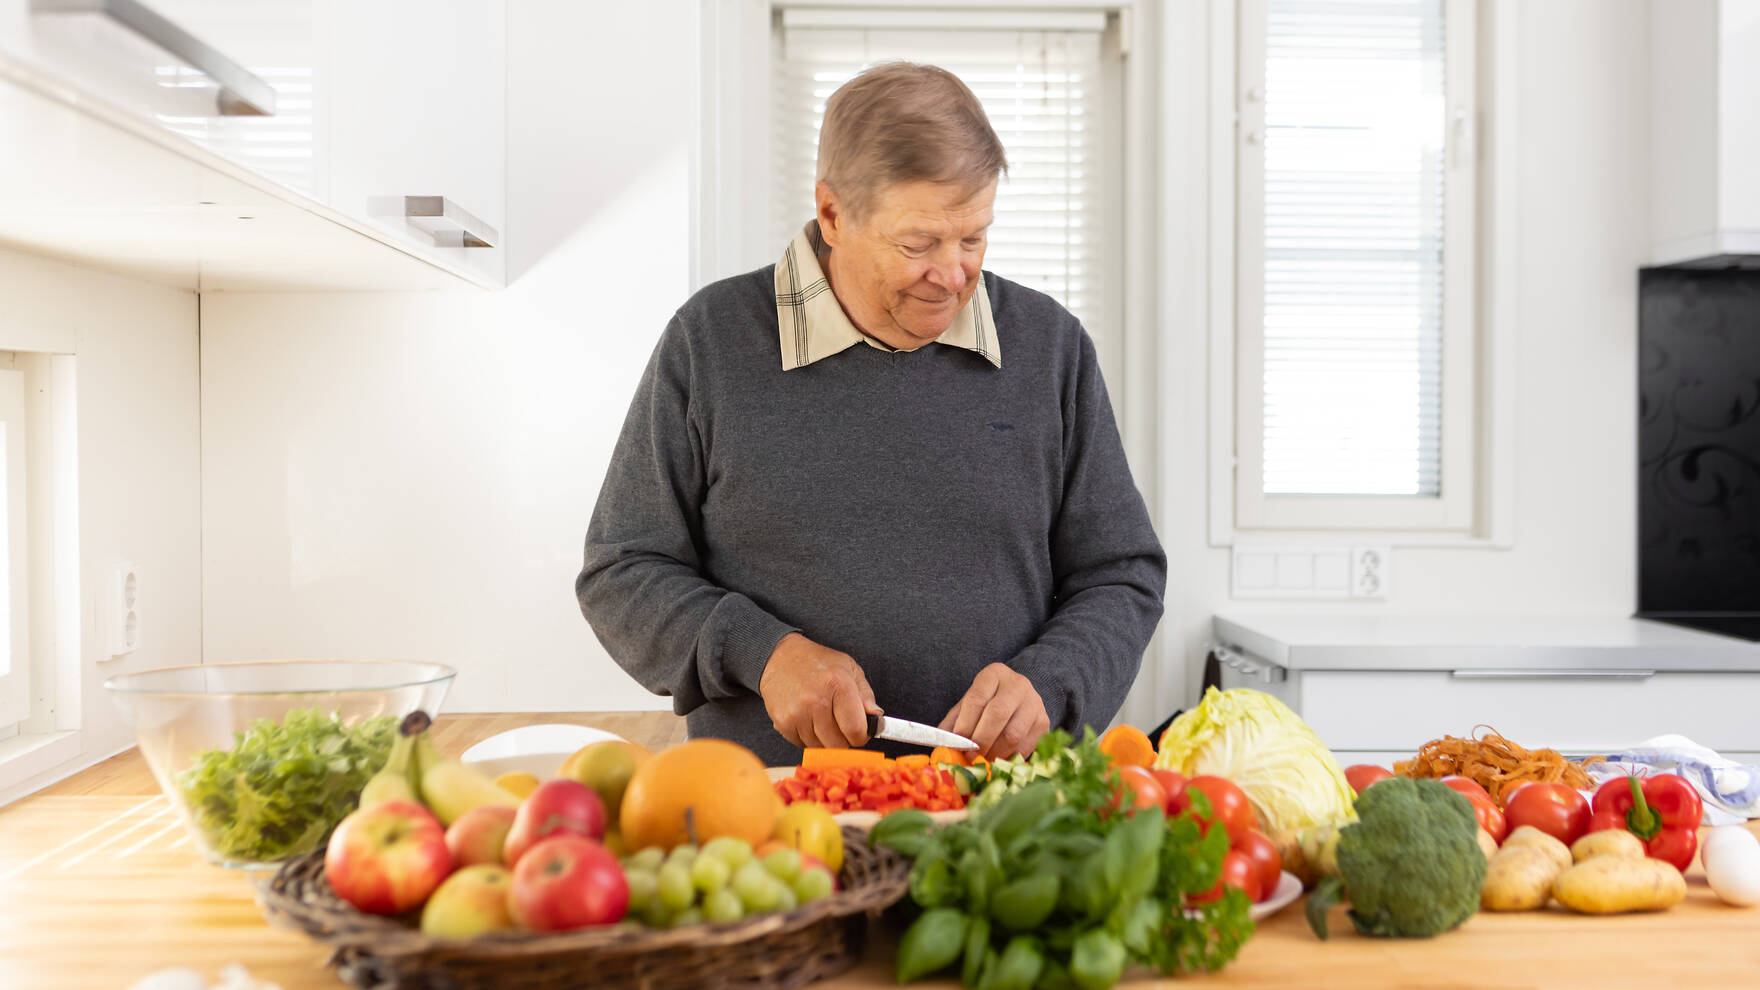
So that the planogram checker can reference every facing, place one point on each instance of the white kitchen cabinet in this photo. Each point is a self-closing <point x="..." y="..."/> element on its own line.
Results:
<point x="415" y="92"/>
<point x="1705" y="132"/>
<point x="233" y="76"/>
<point x="1375" y="688"/>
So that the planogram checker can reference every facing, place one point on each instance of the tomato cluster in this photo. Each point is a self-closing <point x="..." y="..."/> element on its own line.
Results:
<point x="882" y="788"/>
<point x="1252" y="863"/>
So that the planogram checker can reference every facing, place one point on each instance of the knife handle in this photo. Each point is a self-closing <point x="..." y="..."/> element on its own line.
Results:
<point x="874" y="726"/>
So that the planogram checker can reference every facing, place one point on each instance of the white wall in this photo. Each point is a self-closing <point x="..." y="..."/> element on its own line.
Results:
<point x="139" y="463"/>
<point x="1583" y="183"/>
<point x="410" y="474"/>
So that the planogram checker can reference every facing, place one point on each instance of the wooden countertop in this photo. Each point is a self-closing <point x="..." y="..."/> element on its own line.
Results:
<point x="99" y="886"/>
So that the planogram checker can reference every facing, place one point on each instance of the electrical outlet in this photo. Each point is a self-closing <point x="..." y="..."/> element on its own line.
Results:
<point x="1371" y="572"/>
<point x="125" y="610"/>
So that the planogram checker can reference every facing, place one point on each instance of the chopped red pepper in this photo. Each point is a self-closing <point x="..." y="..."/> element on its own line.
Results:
<point x="880" y="788"/>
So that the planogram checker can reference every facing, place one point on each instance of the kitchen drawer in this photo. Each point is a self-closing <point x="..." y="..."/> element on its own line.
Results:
<point x="270" y="43"/>
<point x="1571" y="711"/>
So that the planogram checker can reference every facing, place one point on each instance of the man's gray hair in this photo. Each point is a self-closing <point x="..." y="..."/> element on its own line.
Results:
<point x="904" y="122"/>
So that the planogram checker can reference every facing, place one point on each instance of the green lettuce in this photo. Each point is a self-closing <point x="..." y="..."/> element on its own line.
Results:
<point x="1255" y="740"/>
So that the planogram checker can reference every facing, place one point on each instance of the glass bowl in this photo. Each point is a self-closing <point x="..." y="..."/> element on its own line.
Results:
<point x="262" y="759"/>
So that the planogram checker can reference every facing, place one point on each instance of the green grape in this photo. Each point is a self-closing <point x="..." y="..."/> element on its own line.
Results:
<point x="689" y="916"/>
<point x="757" y="889"/>
<point x="643" y="885"/>
<point x="648" y="859"/>
<point x="675" y="889"/>
<point x="710" y="872"/>
<point x="812" y="884"/>
<point x="736" y="852"/>
<point x="655" y="915"/>
<point x="685" y="854"/>
<point x="723" y="906"/>
<point x="784" y="864"/>
<point x="788" y="901"/>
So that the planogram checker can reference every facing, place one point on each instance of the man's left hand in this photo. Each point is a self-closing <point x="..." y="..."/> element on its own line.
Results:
<point x="1001" y="712"/>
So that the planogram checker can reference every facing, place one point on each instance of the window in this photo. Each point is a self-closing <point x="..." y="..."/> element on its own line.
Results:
<point x="1356" y="187"/>
<point x="15" y="657"/>
<point x="1048" y="81"/>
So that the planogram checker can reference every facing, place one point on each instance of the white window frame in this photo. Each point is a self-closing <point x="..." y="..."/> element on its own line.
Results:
<point x="1478" y="353"/>
<point x="16" y="683"/>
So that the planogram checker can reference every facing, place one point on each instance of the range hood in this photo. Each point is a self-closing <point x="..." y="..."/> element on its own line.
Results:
<point x="1705" y="134"/>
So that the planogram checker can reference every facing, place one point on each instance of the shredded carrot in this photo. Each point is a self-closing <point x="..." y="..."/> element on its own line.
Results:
<point x="1495" y="763"/>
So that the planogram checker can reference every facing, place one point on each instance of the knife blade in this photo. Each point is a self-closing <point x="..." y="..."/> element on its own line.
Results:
<point x="915" y="733"/>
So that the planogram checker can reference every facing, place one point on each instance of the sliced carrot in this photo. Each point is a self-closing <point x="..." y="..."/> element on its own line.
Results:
<point x="817" y="757"/>
<point x="914" y="761"/>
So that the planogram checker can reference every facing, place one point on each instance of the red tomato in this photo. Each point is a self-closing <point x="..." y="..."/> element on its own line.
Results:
<point x="1262" y="852"/>
<point x="1491" y="818"/>
<point x="1143" y="789"/>
<point x="1174" y="783"/>
<point x="1467" y="786"/>
<point x="1554" y="809"/>
<point x="1237" y="871"/>
<point x="1361" y="775"/>
<point x="1228" y="805"/>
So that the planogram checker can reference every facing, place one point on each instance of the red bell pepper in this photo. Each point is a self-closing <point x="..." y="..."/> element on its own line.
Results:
<point x="1663" y="811"/>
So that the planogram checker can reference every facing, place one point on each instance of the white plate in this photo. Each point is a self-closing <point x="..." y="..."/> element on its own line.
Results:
<point x="1288" y="889"/>
<point x="535" y="749"/>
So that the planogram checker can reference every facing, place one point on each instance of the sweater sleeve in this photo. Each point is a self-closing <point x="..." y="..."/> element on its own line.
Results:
<point x="641" y="585"/>
<point x="1108" y="566"/>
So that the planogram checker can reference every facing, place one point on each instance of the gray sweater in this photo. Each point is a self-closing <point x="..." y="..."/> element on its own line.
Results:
<point x="923" y="511"/>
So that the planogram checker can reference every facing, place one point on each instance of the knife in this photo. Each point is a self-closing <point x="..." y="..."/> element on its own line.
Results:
<point x="915" y="733"/>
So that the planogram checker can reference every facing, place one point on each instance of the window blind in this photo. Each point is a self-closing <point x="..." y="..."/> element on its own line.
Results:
<point x="1354" y="182"/>
<point x="1041" y="90"/>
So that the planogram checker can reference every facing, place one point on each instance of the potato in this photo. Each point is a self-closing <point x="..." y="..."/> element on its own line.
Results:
<point x="1487" y="845"/>
<point x="1615" y="885"/>
<point x="1519" y="879"/>
<point x="1608" y="842"/>
<point x="1528" y="835"/>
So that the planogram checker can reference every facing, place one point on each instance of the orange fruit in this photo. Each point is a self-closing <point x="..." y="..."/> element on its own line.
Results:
<point x="1128" y="746"/>
<point x="697" y="791"/>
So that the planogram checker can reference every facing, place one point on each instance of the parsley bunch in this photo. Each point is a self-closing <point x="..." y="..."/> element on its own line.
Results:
<point x="283" y="785"/>
<point x="1050" y="886"/>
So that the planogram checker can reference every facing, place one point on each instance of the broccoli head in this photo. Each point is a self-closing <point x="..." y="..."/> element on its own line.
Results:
<point x="1410" y="865"/>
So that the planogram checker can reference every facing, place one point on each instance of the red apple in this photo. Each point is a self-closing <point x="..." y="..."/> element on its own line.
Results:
<point x="388" y="857"/>
<point x="557" y="807"/>
<point x="568" y="881"/>
<point x="480" y="835"/>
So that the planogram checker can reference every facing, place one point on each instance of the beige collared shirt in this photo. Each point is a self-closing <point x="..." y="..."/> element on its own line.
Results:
<point x="813" y="325"/>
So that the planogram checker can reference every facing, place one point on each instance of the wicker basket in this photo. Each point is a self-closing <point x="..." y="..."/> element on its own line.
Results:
<point x="810" y="943"/>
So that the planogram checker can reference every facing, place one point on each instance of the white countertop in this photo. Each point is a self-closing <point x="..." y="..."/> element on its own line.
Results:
<point x="1319" y="641"/>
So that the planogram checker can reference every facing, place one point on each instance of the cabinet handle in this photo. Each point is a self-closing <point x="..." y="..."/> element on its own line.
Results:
<point x="1601" y="674"/>
<point x="242" y="93"/>
<point x="449" y="225"/>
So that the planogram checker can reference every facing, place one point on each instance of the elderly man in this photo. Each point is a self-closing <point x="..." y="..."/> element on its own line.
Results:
<point x="873" y="476"/>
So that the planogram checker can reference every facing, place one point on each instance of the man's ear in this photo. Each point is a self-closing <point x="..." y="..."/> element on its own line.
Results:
<point x="832" y="219"/>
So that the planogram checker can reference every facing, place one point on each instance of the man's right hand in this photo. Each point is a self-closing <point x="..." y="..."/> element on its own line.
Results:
<point x="816" y="696"/>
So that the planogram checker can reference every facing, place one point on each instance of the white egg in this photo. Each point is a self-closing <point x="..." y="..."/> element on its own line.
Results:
<point x="1732" y="865"/>
<point x="1723" y="837"/>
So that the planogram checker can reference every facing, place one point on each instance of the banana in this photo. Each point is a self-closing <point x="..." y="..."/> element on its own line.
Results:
<point x="397" y="779"/>
<point x="450" y="788"/>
